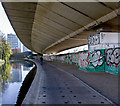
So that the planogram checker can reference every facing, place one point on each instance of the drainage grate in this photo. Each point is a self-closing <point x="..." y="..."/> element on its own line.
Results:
<point x="44" y="95"/>
<point x="79" y="102"/>
<point x="102" y="102"/>
<point x="66" y="102"/>
<point x="44" y="102"/>
<point x="94" y="96"/>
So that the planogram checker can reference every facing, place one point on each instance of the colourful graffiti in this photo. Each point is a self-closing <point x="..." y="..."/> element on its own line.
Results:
<point x="75" y="58"/>
<point x="62" y="58"/>
<point x="99" y="60"/>
<point x="83" y="59"/>
<point x="92" y="61"/>
<point x="96" y="58"/>
<point x="113" y="56"/>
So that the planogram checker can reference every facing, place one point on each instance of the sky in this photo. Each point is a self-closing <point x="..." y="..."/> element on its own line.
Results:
<point x="5" y="25"/>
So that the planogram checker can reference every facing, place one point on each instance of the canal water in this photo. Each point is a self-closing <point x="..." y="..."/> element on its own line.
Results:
<point x="11" y="77"/>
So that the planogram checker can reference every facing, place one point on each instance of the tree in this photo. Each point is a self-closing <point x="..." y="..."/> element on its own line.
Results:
<point x="5" y="50"/>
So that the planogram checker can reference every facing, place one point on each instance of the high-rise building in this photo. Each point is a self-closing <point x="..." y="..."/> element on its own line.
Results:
<point x="14" y="42"/>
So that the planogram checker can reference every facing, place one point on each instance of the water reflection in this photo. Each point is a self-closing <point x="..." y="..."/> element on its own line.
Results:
<point x="11" y="78"/>
<point x="5" y="75"/>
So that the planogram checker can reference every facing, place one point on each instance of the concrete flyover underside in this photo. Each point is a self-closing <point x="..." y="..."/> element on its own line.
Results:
<point x="50" y="27"/>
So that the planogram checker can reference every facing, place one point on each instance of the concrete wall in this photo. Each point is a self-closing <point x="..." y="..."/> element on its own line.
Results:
<point x="91" y="60"/>
<point x="112" y="60"/>
<point x="103" y="40"/>
<point x="99" y="60"/>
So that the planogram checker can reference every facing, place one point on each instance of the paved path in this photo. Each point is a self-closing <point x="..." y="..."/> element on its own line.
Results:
<point x="53" y="85"/>
<point x="106" y="83"/>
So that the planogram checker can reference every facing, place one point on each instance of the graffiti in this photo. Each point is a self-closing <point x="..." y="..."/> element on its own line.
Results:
<point x="94" y="40"/>
<point x="70" y="59"/>
<point x="75" y="58"/>
<point x="100" y="60"/>
<point x="62" y="58"/>
<point x="52" y="58"/>
<point x="113" y="56"/>
<point x="96" y="58"/>
<point x="83" y="59"/>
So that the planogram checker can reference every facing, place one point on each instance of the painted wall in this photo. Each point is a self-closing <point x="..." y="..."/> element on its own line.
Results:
<point x="112" y="62"/>
<point x="103" y="40"/>
<point x="99" y="60"/>
<point x="91" y="61"/>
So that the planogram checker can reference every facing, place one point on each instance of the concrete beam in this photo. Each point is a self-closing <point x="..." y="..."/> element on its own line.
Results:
<point x="102" y="19"/>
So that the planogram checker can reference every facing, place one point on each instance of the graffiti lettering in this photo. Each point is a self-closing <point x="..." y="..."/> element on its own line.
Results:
<point x="75" y="58"/>
<point x="83" y="59"/>
<point x="113" y="56"/>
<point x="94" y="40"/>
<point x="96" y="58"/>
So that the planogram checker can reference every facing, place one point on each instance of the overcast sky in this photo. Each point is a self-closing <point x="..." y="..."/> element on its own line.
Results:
<point x="5" y="25"/>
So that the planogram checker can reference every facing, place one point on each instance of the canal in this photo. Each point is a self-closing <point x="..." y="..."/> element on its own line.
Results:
<point x="12" y="76"/>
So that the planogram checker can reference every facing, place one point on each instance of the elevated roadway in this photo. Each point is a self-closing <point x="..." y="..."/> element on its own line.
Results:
<point x="50" y="27"/>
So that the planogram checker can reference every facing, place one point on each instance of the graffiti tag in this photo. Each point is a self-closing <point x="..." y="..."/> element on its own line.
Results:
<point x="83" y="59"/>
<point x="75" y="58"/>
<point x="94" y="40"/>
<point x="113" y="56"/>
<point x="96" y="58"/>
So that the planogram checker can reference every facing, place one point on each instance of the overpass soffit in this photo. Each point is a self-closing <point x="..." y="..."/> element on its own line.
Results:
<point x="47" y="27"/>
